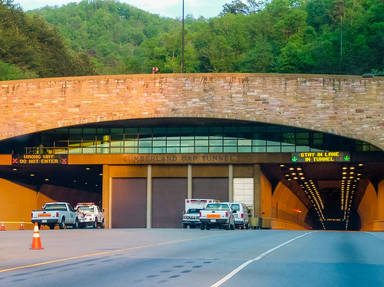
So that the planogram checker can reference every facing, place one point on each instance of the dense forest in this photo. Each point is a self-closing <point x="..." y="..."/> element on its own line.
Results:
<point x="286" y="36"/>
<point x="30" y="48"/>
<point x="268" y="36"/>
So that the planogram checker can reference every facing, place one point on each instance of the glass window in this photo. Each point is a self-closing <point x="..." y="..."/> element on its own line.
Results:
<point x="259" y="142"/>
<point x="161" y="149"/>
<point x="215" y="149"/>
<point x="201" y="143"/>
<point x="259" y="149"/>
<point x="302" y="135"/>
<point x="117" y="131"/>
<point x="131" y="131"/>
<point x="187" y="149"/>
<point x="215" y="142"/>
<point x="288" y="138"/>
<point x="75" y="131"/>
<point x="189" y="142"/>
<point x="273" y="129"/>
<point x="230" y="142"/>
<point x="273" y="148"/>
<point x="302" y="141"/>
<point x="245" y="149"/>
<point x="173" y="149"/>
<point x="130" y="150"/>
<point x="230" y="148"/>
<point x="145" y="131"/>
<point x="288" y="148"/>
<point x="245" y="142"/>
<point x="117" y="149"/>
<point x="159" y="142"/>
<point x="201" y="149"/>
<point x="302" y="148"/>
<point x="89" y="131"/>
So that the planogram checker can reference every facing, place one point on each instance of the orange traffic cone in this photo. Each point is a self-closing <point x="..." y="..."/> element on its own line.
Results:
<point x="21" y="226"/>
<point x="2" y="227"/>
<point x="36" y="243"/>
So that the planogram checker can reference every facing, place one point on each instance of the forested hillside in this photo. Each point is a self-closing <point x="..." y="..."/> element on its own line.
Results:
<point x="30" y="48"/>
<point x="287" y="36"/>
<point x="284" y="36"/>
<point x="110" y="32"/>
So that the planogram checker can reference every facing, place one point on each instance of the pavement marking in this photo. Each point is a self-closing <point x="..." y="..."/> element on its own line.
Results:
<point x="261" y="256"/>
<point x="100" y="253"/>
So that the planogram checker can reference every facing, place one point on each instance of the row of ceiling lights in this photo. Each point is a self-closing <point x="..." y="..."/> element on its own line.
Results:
<point x="309" y="188"/>
<point x="350" y="178"/>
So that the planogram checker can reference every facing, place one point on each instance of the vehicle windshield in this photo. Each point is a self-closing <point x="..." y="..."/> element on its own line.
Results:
<point x="217" y="206"/>
<point x="86" y="208"/>
<point x="235" y="207"/>
<point x="193" y="210"/>
<point x="58" y="206"/>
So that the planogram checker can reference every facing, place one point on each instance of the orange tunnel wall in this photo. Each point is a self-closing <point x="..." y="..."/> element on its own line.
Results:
<point x="266" y="201"/>
<point x="17" y="201"/>
<point x="371" y="208"/>
<point x="288" y="212"/>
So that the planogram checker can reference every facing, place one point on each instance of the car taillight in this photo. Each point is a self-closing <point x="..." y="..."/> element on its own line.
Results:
<point x="242" y="215"/>
<point x="31" y="214"/>
<point x="226" y="214"/>
<point x="200" y="213"/>
<point x="57" y="214"/>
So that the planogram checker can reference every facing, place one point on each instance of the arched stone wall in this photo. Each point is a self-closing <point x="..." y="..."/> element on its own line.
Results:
<point x="350" y="106"/>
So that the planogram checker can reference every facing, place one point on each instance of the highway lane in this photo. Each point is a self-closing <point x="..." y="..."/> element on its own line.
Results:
<point x="175" y="257"/>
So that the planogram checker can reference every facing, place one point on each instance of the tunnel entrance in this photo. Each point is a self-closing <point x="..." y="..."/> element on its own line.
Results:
<point x="332" y="192"/>
<point x="68" y="183"/>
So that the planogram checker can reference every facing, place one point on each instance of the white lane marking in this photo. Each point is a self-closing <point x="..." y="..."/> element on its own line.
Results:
<point x="245" y="264"/>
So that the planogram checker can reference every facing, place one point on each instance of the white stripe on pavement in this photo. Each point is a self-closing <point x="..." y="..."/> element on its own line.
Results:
<point x="245" y="264"/>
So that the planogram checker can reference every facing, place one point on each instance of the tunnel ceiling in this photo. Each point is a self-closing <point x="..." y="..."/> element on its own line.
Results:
<point x="328" y="179"/>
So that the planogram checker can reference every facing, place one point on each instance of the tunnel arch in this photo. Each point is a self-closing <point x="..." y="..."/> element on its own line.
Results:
<point x="349" y="106"/>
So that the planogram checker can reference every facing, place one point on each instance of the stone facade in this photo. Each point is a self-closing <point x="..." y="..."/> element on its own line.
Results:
<point x="350" y="106"/>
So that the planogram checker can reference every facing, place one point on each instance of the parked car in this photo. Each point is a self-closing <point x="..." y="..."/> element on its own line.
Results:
<point x="89" y="214"/>
<point x="191" y="216"/>
<point x="240" y="213"/>
<point x="217" y="215"/>
<point x="56" y="213"/>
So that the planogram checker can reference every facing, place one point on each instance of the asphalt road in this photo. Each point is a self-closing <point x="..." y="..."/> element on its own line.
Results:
<point x="176" y="257"/>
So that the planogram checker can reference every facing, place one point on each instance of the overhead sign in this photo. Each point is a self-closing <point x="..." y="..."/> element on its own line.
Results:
<point x="334" y="156"/>
<point x="46" y="159"/>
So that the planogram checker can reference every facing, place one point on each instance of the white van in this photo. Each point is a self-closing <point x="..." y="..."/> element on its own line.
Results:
<point x="191" y="216"/>
<point x="240" y="212"/>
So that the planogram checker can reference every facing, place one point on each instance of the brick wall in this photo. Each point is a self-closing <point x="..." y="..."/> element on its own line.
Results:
<point x="350" y="106"/>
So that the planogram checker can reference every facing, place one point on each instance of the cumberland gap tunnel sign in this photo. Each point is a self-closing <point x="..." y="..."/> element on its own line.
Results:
<point x="334" y="156"/>
<point x="46" y="159"/>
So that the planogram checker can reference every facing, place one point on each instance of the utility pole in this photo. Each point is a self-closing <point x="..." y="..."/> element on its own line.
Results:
<point x="182" y="41"/>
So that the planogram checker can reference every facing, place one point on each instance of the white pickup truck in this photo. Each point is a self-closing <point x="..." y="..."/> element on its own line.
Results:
<point x="56" y="213"/>
<point x="217" y="214"/>
<point x="89" y="214"/>
<point x="191" y="216"/>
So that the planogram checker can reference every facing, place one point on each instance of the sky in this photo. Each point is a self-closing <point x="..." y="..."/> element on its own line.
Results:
<point x="166" y="8"/>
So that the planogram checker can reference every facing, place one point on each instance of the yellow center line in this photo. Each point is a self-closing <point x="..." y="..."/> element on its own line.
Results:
<point x="100" y="253"/>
